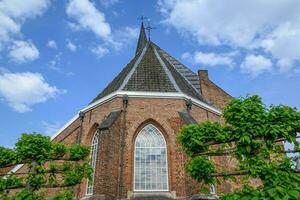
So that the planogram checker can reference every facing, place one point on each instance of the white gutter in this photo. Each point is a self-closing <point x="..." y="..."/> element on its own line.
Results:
<point x="158" y="95"/>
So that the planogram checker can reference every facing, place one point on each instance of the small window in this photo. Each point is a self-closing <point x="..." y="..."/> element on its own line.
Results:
<point x="93" y="160"/>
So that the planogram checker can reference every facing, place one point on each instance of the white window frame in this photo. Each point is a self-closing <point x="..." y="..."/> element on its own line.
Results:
<point x="93" y="161"/>
<point x="212" y="189"/>
<point x="134" y="162"/>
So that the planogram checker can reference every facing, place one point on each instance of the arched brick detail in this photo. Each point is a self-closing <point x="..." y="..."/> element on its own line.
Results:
<point x="153" y="122"/>
<point x="87" y="140"/>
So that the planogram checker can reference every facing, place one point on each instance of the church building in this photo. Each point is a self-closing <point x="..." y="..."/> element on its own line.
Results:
<point x="132" y="126"/>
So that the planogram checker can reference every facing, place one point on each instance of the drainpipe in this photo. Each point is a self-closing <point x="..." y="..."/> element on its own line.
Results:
<point x="122" y="148"/>
<point x="81" y="117"/>
<point x="188" y="104"/>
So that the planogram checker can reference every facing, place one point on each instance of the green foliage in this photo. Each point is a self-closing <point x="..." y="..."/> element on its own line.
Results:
<point x="7" y="156"/>
<point x="200" y="169"/>
<point x="10" y="181"/>
<point x="37" y="151"/>
<point x="252" y="130"/>
<point x="25" y="194"/>
<point x="78" y="152"/>
<point x="58" y="150"/>
<point x="73" y="173"/>
<point x="193" y="137"/>
<point x="64" y="195"/>
<point x="33" y="147"/>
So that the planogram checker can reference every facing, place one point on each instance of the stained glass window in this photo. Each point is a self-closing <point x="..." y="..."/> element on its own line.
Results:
<point x="150" y="169"/>
<point x="93" y="160"/>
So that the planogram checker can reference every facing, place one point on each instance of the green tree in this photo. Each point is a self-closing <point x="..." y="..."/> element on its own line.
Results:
<point x="253" y="135"/>
<point x="48" y="165"/>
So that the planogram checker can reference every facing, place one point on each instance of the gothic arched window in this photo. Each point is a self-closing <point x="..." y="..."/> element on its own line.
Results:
<point x="150" y="161"/>
<point x="93" y="160"/>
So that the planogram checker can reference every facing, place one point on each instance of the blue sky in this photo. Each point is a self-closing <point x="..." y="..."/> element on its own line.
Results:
<point x="57" y="55"/>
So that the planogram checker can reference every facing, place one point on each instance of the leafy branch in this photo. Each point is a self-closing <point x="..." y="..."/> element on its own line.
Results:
<point x="41" y="170"/>
<point x="252" y="134"/>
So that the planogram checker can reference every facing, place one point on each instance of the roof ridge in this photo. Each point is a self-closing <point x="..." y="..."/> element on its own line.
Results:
<point x="167" y="71"/>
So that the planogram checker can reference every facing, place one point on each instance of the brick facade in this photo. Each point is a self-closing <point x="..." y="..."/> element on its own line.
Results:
<point x="163" y="113"/>
<point x="113" y="178"/>
<point x="115" y="158"/>
<point x="211" y="91"/>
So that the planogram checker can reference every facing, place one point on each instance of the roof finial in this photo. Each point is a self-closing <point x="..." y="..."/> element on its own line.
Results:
<point x="142" y="18"/>
<point x="149" y="28"/>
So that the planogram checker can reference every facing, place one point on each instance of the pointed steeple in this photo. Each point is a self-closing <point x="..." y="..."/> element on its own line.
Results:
<point x="142" y="39"/>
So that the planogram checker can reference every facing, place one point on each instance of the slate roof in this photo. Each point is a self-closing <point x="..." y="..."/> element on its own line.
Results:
<point x="153" y="70"/>
<point x="149" y="75"/>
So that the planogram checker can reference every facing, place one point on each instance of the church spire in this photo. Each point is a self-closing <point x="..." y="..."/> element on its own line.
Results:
<point x="142" y="39"/>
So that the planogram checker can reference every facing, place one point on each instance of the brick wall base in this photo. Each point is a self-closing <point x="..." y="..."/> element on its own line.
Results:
<point x="152" y="196"/>
<point x="98" y="197"/>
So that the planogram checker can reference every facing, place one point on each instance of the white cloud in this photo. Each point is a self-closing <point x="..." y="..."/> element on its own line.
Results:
<point x="22" y="90"/>
<point x="108" y="3"/>
<point x="71" y="46"/>
<point x="51" y="128"/>
<point x="22" y="52"/>
<point x="285" y="65"/>
<point x="99" y="51"/>
<point x="256" y="65"/>
<point x="124" y="36"/>
<point x="210" y="59"/>
<point x="8" y="27"/>
<point x="270" y="26"/>
<point x="52" y="44"/>
<point x="55" y="63"/>
<point x="284" y="44"/>
<point x="13" y="14"/>
<point x="74" y="26"/>
<point x="86" y="16"/>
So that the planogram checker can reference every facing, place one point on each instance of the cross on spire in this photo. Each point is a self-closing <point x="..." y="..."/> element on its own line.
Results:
<point x="142" y="18"/>
<point x="149" y="28"/>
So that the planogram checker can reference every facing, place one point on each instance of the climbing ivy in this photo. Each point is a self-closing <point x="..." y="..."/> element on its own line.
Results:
<point x="252" y="134"/>
<point x="49" y="165"/>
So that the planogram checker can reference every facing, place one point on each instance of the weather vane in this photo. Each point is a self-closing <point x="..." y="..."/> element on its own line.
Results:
<point x="149" y="28"/>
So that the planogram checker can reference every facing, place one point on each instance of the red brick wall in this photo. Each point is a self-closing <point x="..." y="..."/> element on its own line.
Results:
<point x="211" y="91"/>
<point x="163" y="113"/>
